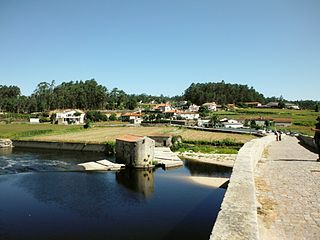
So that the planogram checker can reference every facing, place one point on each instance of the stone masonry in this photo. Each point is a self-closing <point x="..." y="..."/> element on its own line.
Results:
<point x="288" y="188"/>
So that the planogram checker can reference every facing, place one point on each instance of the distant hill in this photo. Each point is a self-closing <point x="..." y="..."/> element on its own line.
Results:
<point x="222" y="93"/>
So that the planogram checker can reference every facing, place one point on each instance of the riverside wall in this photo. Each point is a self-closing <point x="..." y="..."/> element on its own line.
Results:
<point x="62" y="146"/>
<point x="237" y="218"/>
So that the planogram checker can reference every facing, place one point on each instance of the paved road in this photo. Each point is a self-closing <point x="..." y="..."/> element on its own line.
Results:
<point x="288" y="188"/>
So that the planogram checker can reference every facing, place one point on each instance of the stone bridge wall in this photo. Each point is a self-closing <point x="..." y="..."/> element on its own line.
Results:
<point x="237" y="218"/>
<point x="61" y="146"/>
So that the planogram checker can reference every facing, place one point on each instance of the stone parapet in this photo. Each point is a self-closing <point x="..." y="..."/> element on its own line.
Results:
<point x="237" y="218"/>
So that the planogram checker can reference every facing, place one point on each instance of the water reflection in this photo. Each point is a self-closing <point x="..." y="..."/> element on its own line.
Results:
<point x="88" y="195"/>
<point x="206" y="169"/>
<point x="140" y="181"/>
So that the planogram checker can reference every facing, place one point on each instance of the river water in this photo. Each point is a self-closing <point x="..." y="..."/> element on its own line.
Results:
<point x="41" y="199"/>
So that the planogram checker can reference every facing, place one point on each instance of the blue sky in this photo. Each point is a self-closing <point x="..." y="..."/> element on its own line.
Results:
<point x="163" y="46"/>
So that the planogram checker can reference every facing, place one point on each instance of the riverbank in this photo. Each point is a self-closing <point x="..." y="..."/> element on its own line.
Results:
<point x="226" y="160"/>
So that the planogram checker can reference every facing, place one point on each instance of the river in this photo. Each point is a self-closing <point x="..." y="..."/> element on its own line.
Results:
<point x="41" y="199"/>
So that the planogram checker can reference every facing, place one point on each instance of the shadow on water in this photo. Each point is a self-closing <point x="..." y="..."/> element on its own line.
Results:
<point x="140" y="181"/>
<point x="206" y="169"/>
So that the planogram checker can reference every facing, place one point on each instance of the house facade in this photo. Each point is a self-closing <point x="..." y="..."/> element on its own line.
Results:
<point x="134" y="118"/>
<point x="187" y="115"/>
<point x="212" y="106"/>
<point x="69" y="116"/>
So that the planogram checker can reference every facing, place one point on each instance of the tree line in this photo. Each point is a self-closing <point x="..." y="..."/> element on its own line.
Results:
<point x="85" y="95"/>
<point x="89" y="94"/>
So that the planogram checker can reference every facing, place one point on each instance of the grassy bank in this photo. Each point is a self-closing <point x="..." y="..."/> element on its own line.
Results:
<point x="302" y="120"/>
<point x="47" y="132"/>
<point x="27" y="131"/>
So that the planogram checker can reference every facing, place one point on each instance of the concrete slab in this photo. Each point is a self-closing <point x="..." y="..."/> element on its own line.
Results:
<point x="102" y="165"/>
<point x="166" y="158"/>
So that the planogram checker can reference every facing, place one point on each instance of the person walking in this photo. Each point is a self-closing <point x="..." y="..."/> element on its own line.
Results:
<point x="277" y="134"/>
<point x="317" y="137"/>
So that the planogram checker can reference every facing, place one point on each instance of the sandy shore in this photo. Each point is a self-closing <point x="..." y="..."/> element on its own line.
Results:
<point x="226" y="160"/>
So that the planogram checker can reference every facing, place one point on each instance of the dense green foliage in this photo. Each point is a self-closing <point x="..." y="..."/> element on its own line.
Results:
<point x="225" y="146"/>
<point x="96" y="116"/>
<point x="221" y="92"/>
<point x="89" y="94"/>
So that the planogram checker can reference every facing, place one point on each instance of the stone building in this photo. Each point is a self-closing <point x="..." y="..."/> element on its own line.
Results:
<point x="162" y="140"/>
<point x="135" y="151"/>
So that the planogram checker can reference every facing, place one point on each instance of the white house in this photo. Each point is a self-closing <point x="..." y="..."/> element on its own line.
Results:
<point x="212" y="106"/>
<point x="165" y="107"/>
<point x="69" y="116"/>
<point x="203" y="122"/>
<point x="34" y="120"/>
<point x="292" y="106"/>
<point x="134" y="118"/>
<point x="187" y="115"/>
<point x="193" y="108"/>
<point x="230" y="123"/>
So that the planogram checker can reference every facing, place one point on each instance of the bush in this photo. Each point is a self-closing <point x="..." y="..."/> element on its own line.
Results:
<point x="88" y="125"/>
<point x="110" y="147"/>
<point x="96" y="116"/>
<point x="44" y="119"/>
<point x="113" y="117"/>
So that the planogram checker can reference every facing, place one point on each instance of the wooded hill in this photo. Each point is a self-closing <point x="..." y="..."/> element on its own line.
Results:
<point x="221" y="93"/>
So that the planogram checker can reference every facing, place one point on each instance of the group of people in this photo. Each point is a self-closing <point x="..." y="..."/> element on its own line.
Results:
<point x="316" y="136"/>
<point x="278" y="135"/>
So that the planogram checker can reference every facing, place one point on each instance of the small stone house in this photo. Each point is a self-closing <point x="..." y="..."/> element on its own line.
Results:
<point x="162" y="140"/>
<point x="135" y="151"/>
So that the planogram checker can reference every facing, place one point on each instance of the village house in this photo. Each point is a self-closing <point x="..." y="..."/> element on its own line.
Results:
<point x="134" y="118"/>
<point x="292" y="106"/>
<point x="260" y="121"/>
<point x="231" y="123"/>
<point x="164" y="107"/>
<point x="212" y="106"/>
<point x="69" y="116"/>
<point x="253" y="104"/>
<point x="187" y="115"/>
<point x="34" y="120"/>
<point x="271" y="105"/>
<point x="193" y="108"/>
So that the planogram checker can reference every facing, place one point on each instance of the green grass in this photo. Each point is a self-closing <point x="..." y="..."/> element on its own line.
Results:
<point x="25" y="130"/>
<point x="302" y="120"/>
<point x="205" y="149"/>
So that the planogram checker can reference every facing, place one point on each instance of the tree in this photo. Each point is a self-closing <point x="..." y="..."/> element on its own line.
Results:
<point x="113" y="117"/>
<point x="253" y="124"/>
<point x="214" y="119"/>
<point x="317" y="108"/>
<point x="203" y="111"/>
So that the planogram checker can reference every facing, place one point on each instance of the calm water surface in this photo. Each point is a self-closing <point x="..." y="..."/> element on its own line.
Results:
<point x="41" y="199"/>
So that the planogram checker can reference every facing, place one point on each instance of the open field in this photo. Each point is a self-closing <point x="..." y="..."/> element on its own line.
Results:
<point x="46" y="132"/>
<point x="302" y="120"/>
